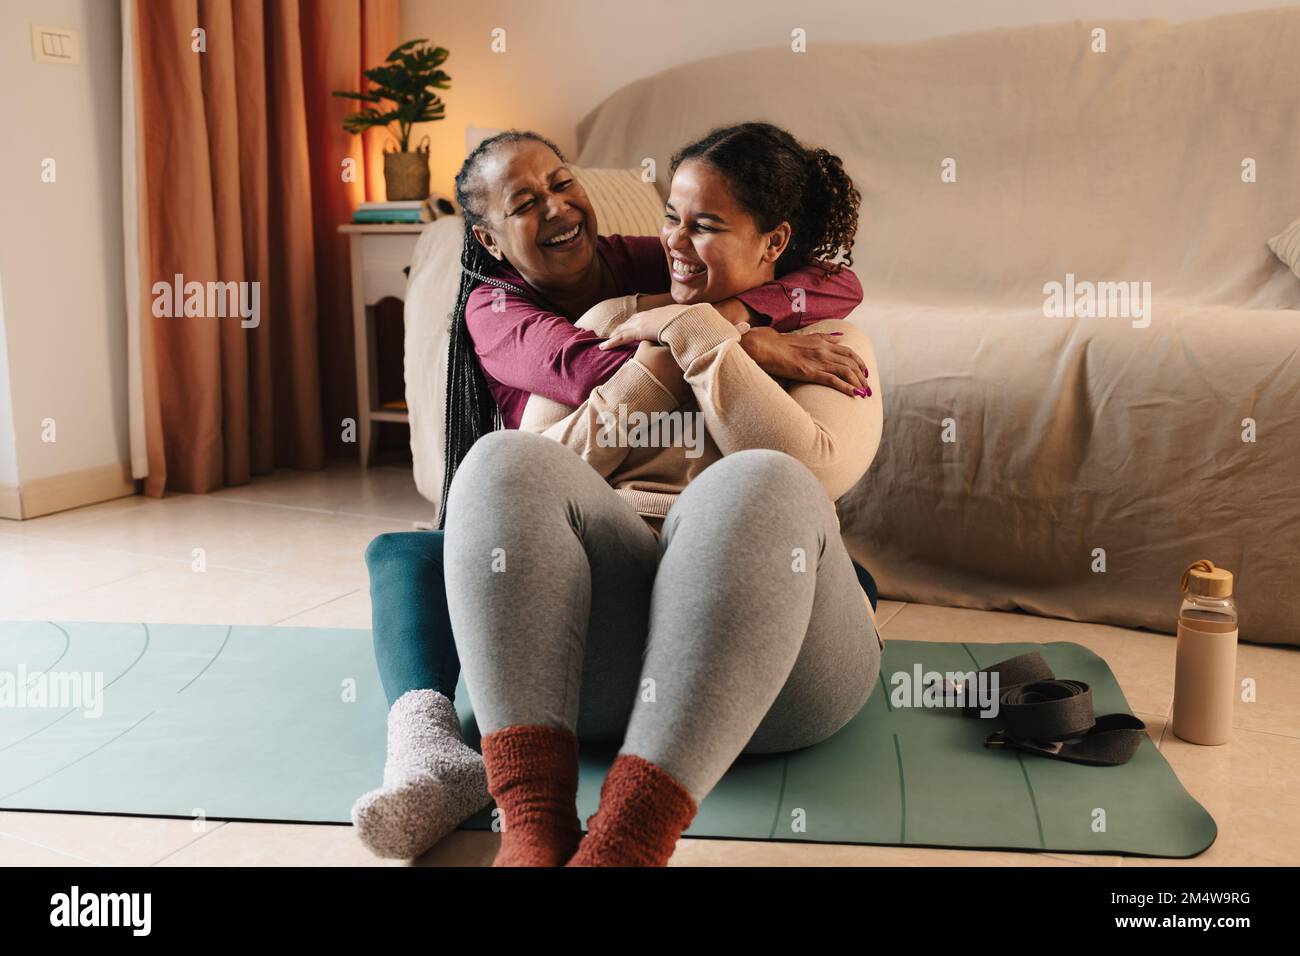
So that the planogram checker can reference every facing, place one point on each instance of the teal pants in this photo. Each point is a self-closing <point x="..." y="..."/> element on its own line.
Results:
<point x="411" y="627"/>
<point x="414" y="648"/>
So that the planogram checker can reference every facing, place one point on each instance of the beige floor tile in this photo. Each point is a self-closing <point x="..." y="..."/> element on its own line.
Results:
<point x="240" y="536"/>
<point x="463" y="848"/>
<point x="277" y="844"/>
<point x="346" y="488"/>
<point x="1276" y="673"/>
<point x="350" y="610"/>
<point x="33" y="570"/>
<point x="16" y="852"/>
<point x="175" y="594"/>
<point x="255" y="844"/>
<point x="886" y="611"/>
<point x="1157" y="726"/>
<point x="768" y="853"/>
<point x="1088" y="859"/>
<point x="55" y="524"/>
<point x="108" y="840"/>
<point x="1142" y="662"/>
<point x="1251" y="786"/>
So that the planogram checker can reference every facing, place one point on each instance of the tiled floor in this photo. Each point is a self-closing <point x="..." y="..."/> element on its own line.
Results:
<point x="287" y="550"/>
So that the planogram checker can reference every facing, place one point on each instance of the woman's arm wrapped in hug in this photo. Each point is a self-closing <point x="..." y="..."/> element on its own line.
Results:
<point x="525" y="346"/>
<point x="833" y="434"/>
<point x="650" y="382"/>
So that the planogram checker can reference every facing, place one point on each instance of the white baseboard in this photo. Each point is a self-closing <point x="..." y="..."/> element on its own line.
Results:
<point x="44" y="496"/>
<point x="11" y="503"/>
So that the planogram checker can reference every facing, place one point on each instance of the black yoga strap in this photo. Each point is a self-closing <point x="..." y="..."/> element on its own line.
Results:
<point x="1055" y="718"/>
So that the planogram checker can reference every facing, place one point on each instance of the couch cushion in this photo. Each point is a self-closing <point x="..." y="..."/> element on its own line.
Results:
<point x="1286" y="246"/>
<point x="430" y="297"/>
<point x="625" y="205"/>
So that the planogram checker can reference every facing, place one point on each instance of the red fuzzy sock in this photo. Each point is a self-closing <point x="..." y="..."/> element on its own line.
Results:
<point x="643" y="811"/>
<point x="532" y="774"/>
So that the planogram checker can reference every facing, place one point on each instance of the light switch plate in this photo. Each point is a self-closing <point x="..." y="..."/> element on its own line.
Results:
<point x="55" y="45"/>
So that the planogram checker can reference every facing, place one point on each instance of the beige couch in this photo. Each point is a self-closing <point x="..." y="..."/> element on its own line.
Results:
<point x="1022" y="449"/>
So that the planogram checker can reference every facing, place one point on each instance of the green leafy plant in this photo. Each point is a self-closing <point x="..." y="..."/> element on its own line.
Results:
<point x="407" y="79"/>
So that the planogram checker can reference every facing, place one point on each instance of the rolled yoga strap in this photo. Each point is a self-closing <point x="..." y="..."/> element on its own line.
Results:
<point x="1055" y="718"/>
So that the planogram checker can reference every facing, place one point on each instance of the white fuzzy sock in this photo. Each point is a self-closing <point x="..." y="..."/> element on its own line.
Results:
<point x="433" y="782"/>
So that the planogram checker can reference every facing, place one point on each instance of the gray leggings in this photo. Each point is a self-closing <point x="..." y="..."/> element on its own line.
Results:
<point x="742" y="628"/>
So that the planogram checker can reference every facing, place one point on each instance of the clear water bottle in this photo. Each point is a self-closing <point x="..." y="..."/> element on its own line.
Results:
<point x="1205" y="677"/>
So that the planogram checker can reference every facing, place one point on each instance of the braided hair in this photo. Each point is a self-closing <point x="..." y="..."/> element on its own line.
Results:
<point x="471" y="410"/>
<point x="776" y="179"/>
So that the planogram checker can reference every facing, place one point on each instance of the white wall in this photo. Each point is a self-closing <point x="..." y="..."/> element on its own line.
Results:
<point x="563" y="59"/>
<point x="61" y="243"/>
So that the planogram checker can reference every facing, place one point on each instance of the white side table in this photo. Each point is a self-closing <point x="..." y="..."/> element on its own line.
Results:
<point x="381" y="257"/>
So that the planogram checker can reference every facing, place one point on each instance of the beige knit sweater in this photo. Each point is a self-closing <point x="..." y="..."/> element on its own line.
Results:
<point x="649" y="460"/>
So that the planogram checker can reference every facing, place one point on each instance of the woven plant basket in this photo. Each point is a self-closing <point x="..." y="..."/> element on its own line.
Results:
<point x="406" y="175"/>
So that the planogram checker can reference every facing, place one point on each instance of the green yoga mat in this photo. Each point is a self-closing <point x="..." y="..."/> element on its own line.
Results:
<point x="287" y="724"/>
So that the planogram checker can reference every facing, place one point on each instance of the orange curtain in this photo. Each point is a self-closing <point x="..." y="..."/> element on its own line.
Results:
<point x="243" y="179"/>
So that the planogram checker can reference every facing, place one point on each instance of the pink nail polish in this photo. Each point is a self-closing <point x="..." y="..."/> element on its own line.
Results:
<point x="837" y="333"/>
<point x="861" y="393"/>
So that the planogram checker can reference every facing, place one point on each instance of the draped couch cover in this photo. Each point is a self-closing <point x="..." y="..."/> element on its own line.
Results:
<point x="1026" y="448"/>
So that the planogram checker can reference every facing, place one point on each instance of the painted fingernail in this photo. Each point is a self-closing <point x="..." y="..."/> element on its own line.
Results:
<point x="868" y="391"/>
<point x="860" y="392"/>
<point x="837" y="333"/>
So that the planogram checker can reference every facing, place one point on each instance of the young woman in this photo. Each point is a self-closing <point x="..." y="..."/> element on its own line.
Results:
<point x="526" y="278"/>
<point x="693" y="607"/>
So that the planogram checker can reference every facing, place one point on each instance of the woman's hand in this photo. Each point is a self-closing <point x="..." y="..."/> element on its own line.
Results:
<point x="815" y="358"/>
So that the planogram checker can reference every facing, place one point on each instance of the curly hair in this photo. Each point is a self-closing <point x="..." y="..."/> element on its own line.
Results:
<point x="776" y="179"/>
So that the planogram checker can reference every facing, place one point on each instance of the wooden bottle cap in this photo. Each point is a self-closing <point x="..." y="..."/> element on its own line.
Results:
<point x="1205" y="579"/>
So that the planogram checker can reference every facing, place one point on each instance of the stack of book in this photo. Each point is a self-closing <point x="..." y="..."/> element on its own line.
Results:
<point x="407" y="211"/>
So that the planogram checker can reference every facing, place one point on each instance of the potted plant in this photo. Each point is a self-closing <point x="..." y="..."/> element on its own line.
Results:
<point x="407" y="79"/>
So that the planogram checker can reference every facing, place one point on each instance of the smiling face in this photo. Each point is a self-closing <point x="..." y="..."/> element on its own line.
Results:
<point x="714" y="246"/>
<point x="536" y="215"/>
